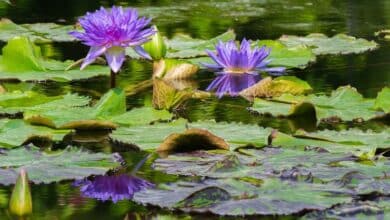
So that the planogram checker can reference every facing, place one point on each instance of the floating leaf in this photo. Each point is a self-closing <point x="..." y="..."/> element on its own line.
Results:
<point x="42" y="32"/>
<point x="41" y="167"/>
<point x="291" y="57"/>
<point x="235" y="198"/>
<point x="269" y="87"/>
<point x="382" y="101"/>
<point x="14" y="133"/>
<point x="363" y="144"/>
<point x="385" y="34"/>
<point x="345" y="103"/>
<point x="22" y="60"/>
<point x="338" y="44"/>
<point x="141" y="116"/>
<point x="17" y="102"/>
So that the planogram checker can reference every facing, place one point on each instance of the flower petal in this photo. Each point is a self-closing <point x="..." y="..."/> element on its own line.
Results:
<point x="141" y="51"/>
<point x="93" y="53"/>
<point x="115" y="57"/>
<point x="274" y="70"/>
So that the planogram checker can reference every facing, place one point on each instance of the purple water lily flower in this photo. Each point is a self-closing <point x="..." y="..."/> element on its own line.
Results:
<point x="113" y="188"/>
<point x="109" y="32"/>
<point x="238" y="68"/>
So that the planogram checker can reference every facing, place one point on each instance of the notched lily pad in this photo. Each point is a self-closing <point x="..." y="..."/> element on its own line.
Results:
<point x="322" y="45"/>
<point x="345" y="104"/>
<point x="21" y="60"/>
<point x="42" y="167"/>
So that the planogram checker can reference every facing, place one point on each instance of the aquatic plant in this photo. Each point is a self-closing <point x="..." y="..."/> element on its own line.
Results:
<point x="109" y="32"/>
<point x="238" y="68"/>
<point x="21" y="203"/>
<point x="115" y="188"/>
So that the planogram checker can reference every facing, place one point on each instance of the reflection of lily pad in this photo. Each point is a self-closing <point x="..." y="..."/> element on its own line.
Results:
<point x="269" y="87"/>
<point x="338" y="44"/>
<point x="45" y="168"/>
<point x="37" y="32"/>
<point x="16" y="102"/>
<point x="14" y="133"/>
<point x="235" y="198"/>
<point x="345" y="103"/>
<point x="21" y="60"/>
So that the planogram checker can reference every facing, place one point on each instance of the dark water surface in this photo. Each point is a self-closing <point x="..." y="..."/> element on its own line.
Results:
<point x="261" y="19"/>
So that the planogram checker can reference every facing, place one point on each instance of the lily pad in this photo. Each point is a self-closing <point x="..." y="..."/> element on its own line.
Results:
<point x="235" y="198"/>
<point x="291" y="57"/>
<point x="269" y="87"/>
<point x="42" y="167"/>
<point x="322" y="45"/>
<point x="385" y="34"/>
<point x="21" y="60"/>
<point x="18" y="102"/>
<point x="14" y="133"/>
<point x="141" y="116"/>
<point x="111" y="104"/>
<point x="357" y="142"/>
<point x="345" y="103"/>
<point x="382" y="101"/>
<point x="171" y="69"/>
<point x="42" y="32"/>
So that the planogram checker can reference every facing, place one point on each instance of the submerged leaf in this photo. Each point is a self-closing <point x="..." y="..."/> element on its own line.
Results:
<point x="345" y="103"/>
<point x="70" y="163"/>
<point x="22" y="60"/>
<point x="338" y="44"/>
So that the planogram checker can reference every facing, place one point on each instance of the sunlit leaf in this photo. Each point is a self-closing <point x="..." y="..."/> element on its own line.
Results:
<point x="42" y="167"/>
<point x="22" y="60"/>
<point x="170" y="69"/>
<point x="382" y="101"/>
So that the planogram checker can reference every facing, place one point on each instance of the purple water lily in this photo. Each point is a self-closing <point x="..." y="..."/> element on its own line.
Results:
<point x="113" y="188"/>
<point x="238" y="68"/>
<point x="109" y="32"/>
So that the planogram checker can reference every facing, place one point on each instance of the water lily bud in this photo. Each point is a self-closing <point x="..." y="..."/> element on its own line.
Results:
<point x="156" y="47"/>
<point x="20" y="203"/>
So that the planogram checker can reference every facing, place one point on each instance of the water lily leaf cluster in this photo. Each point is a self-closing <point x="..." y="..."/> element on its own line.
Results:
<point x="345" y="104"/>
<point x="22" y="60"/>
<point x="42" y="167"/>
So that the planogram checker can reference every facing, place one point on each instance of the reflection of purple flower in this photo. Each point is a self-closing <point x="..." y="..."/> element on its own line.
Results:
<point x="110" y="31"/>
<point x="113" y="188"/>
<point x="238" y="68"/>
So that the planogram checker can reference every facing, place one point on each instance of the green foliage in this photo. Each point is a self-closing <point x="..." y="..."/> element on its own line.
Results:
<point x="42" y="167"/>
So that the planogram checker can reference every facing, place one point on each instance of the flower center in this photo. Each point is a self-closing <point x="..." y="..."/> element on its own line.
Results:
<point x="236" y="70"/>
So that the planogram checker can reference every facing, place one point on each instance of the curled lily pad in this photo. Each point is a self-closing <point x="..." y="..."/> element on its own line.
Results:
<point x="345" y="103"/>
<point x="42" y="167"/>
<point x="14" y="133"/>
<point x="171" y="69"/>
<point x="21" y="60"/>
<point x="236" y="198"/>
<point x="322" y="45"/>
<point x="269" y="87"/>
<point x="42" y="32"/>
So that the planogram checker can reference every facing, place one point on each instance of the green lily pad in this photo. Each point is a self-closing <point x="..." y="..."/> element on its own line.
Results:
<point x="111" y="104"/>
<point x="236" y="198"/>
<point x="291" y="57"/>
<point x="42" y="32"/>
<point x="357" y="142"/>
<point x="14" y="133"/>
<point x="269" y="87"/>
<point x="141" y="116"/>
<point x="345" y="103"/>
<point x="21" y="60"/>
<point x="42" y="167"/>
<point x="382" y="101"/>
<point x="385" y="34"/>
<point x="17" y="102"/>
<point x="322" y="45"/>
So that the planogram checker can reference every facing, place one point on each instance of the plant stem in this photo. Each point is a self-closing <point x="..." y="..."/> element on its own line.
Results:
<point x="113" y="79"/>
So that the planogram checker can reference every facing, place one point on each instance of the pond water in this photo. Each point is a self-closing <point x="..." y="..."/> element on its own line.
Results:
<point x="262" y="19"/>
